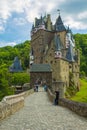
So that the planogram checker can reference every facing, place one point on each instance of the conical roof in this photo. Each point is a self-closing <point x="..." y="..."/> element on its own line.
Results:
<point x="58" y="44"/>
<point x="59" y="26"/>
<point x="69" y="54"/>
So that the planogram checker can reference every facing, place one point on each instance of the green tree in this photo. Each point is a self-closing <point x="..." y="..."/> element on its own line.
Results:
<point x="81" y="43"/>
<point x="5" y="89"/>
<point x="20" y="78"/>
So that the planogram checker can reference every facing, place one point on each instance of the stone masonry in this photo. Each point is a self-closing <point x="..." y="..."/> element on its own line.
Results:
<point x="55" y="45"/>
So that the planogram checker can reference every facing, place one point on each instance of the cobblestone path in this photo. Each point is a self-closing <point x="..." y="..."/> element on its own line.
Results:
<point x="40" y="114"/>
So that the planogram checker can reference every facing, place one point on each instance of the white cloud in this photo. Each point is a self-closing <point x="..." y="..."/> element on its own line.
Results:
<point x="31" y="8"/>
<point x="2" y="44"/>
<point x="2" y="29"/>
<point x="11" y="43"/>
<point x="34" y="8"/>
<point x="82" y="15"/>
<point x="75" y="23"/>
<point x="19" y="21"/>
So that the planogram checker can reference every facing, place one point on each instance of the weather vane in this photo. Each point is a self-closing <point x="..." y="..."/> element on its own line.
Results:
<point x="58" y="11"/>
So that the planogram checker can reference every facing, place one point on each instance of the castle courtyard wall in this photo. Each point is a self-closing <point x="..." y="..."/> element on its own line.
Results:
<point x="39" y="41"/>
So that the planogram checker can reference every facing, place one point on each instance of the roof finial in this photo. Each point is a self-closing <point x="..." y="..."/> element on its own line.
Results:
<point x="58" y="11"/>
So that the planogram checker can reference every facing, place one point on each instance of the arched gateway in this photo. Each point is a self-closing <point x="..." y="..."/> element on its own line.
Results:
<point x="41" y="72"/>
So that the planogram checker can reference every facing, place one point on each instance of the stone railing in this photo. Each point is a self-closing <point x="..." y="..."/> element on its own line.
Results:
<point x="11" y="104"/>
<point x="77" y="107"/>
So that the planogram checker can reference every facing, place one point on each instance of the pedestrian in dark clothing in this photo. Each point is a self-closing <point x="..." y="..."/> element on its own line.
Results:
<point x="36" y="87"/>
<point x="56" y="98"/>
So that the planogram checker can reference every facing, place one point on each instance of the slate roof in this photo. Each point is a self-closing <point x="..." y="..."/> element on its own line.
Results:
<point x="16" y="66"/>
<point x="69" y="54"/>
<point x="59" y="25"/>
<point x="40" y="68"/>
<point x="39" y="21"/>
<point x="58" y="44"/>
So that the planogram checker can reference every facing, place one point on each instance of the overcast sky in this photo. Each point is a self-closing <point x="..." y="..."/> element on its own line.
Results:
<point x="17" y="17"/>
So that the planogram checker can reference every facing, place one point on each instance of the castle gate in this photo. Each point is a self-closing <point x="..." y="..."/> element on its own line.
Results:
<point x="41" y="72"/>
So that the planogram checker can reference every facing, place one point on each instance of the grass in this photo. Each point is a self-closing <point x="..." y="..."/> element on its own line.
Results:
<point x="81" y="96"/>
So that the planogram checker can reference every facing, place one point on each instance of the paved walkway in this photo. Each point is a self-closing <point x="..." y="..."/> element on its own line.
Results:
<point x="40" y="114"/>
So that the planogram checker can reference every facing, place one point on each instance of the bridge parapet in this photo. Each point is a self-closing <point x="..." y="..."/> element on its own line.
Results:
<point x="13" y="103"/>
<point x="77" y="107"/>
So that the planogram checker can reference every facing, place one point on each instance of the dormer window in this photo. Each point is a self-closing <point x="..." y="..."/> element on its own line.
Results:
<point x="58" y="54"/>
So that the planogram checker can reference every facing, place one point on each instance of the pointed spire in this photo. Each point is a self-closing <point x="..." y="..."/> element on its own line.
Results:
<point x="16" y="66"/>
<point x="59" y="24"/>
<point x="41" y="18"/>
<point x="58" y="45"/>
<point x="32" y="26"/>
<point x="69" y="54"/>
<point x="69" y="30"/>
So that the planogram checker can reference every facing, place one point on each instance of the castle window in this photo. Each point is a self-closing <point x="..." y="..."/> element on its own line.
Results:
<point x="50" y="54"/>
<point x="51" y="61"/>
<point x="70" y="66"/>
<point x="55" y="61"/>
<point x="75" y="66"/>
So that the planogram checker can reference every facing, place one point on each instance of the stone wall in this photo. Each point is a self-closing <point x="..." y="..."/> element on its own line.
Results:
<point x="11" y="104"/>
<point x="39" y="41"/>
<point x="60" y="67"/>
<point x="77" y="107"/>
<point x="41" y="75"/>
<point x="58" y="86"/>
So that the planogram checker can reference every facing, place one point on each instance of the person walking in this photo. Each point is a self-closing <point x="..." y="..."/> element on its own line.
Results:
<point x="56" y="98"/>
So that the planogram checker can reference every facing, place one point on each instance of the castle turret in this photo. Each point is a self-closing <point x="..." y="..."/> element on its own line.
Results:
<point x="70" y="54"/>
<point x="58" y="46"/>
<point x="49" y="23"/>
<point x="59" y="25"/>
<point x="69" y="38"/>
<point x="16" y="66"/>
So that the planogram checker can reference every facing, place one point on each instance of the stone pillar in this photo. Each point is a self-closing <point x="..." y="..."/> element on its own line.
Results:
<point x="58" y="86"/>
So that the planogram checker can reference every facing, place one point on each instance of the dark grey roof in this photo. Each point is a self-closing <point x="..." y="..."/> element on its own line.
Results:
<point x="59" y="25"/>
<point x="16" y="66"/>
<point x="69" y="54"/>
<point x="58" y="44"/>
<point x="40" y="68"/>
<point x="39" y="21"/>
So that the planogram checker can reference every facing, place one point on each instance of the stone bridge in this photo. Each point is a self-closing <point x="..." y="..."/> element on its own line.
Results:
<point x="39" y="113"/>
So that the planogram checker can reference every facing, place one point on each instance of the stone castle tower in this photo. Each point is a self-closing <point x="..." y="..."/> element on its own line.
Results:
<point x="55" y="45"/>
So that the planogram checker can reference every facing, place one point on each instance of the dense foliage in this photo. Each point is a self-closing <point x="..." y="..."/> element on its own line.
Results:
<point x="7" y="79"/>
<point x="5" y="88"/>
<point x="81" y="43"/>
<point x="8" y="53"/>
